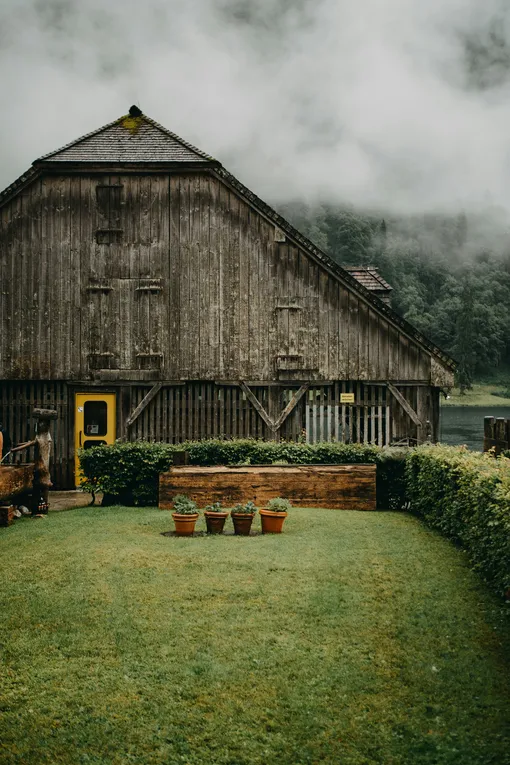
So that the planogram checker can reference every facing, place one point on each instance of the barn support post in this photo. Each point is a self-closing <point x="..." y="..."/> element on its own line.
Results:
<point x="425" y="414"/>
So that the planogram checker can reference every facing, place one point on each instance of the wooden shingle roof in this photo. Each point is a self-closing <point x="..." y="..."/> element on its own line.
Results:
<point x="128" y="140"/>
<point x="370" y="278"/>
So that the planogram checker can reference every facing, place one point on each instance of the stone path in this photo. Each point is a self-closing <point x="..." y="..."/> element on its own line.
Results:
<point x="66" y="500"/>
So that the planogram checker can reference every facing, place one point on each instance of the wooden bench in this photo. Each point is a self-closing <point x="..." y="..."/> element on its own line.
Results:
<point x="347" y="487"/>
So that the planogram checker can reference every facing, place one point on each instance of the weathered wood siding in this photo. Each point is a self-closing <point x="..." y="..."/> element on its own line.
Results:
<point x="199" y="410"/>
<point x="175" y="277"/>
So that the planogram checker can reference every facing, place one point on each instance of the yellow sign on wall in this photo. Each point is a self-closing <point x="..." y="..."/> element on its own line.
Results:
<point x="347" y="398"/>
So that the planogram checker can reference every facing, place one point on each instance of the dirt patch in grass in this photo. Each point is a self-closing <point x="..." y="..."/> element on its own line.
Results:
<point x="353" y="638"/>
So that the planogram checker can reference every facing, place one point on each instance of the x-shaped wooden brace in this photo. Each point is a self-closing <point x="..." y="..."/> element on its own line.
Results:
<point x="274" y="425"/>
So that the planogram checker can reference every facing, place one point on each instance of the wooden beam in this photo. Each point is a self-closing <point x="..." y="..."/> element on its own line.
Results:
<point x="257" y="405"/>
<point x="291" y="405"/>
<point x="274" y="425"/>
<point x="143" y="404"/>
<point x="404" y="404"/>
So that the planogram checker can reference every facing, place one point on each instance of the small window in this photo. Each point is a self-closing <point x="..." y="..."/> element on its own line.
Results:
<point x="109" y="236"/>
<point x="95" y="419"/>
<point x="109" y="204"/>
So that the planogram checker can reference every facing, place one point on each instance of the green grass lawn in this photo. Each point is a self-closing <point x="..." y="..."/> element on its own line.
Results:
<point x="353" y="638"/>
<point x="481" y="394"/>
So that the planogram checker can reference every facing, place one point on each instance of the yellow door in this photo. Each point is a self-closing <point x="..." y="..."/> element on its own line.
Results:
<point x="94" y="423"/>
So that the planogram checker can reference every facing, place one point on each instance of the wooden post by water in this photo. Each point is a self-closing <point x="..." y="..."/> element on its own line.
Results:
<point x="496" y="434"/>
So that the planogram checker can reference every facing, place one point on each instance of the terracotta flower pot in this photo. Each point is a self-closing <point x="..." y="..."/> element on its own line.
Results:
<point x="272" y="523"/>
<point x="215" y="522"/>
<point x="242" y="523"/>
<point x="184" y="524"/>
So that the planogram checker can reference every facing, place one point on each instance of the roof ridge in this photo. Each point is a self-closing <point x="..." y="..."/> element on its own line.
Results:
<point x="119" y="121"/>
<point x="178" y="138"/>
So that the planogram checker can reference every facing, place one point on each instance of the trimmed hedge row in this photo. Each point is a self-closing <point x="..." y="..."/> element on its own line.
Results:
<point x="127" y="472"/>
<point x="466" y="495"/>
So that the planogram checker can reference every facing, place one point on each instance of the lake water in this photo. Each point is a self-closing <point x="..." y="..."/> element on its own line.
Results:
<point x="464" y="424"/>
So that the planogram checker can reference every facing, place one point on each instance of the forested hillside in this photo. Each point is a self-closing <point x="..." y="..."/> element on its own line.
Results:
<point x="446" y="281"/>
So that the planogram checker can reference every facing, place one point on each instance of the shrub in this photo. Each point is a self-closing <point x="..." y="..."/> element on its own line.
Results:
<point x="279" y="505"/>
<point x="247" y="509"/>
<point x="184" y="505"/>
<point x="128" y="472"/>
<point x="214" y="508"/>
<point x="466" y="495"/>
<point x="501" y="393"/>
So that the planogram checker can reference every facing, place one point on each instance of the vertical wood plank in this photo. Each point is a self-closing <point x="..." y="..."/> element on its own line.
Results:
<point x="373" y="346"/>
<point x="323" y="325"/>
<point x="354" y="366"/>
<point x="214" y="278"/>
<point x="185" y="329"/>
<point x="334" y="329"/>
<point x="363" y="339"/>
<point x="173" y="352"/>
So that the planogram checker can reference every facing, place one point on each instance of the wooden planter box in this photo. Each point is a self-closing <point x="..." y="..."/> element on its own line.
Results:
<point x="15" y="479"/>
<point x="346" y="487"/>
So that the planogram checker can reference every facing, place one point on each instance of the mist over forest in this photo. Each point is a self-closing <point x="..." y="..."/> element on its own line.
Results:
<point x="381" y="130"/>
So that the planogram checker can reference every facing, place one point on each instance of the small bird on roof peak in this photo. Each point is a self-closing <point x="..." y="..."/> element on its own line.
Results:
<point x="135" y="111"/>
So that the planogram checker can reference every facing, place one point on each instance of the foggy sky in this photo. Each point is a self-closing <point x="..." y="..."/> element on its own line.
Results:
<point x="397" y="105"/>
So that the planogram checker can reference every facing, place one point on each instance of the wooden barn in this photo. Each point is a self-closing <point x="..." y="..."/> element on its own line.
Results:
<point x="146" y="293"/>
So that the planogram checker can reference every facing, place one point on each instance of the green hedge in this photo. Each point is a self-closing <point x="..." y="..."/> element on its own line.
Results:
<point x="466" y="495"/>
<point x="128" y="472"/>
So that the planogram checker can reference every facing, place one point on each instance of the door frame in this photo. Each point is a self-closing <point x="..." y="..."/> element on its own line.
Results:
<point x="95" y="394"/>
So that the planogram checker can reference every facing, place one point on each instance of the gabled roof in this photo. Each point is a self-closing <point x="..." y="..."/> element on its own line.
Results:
<point x="369" y="277"/>
<point x="128" y="140"/>
<point x="136" y="138"/>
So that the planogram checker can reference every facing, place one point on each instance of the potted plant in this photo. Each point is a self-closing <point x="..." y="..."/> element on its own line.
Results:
<point x="185" y="515"/>
<point x="215" y="518"/>
<point x="273" y="516"/>
<point x="242" y="517"/>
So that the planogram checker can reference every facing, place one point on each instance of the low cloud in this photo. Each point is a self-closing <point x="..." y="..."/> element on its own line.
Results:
<point x="394" y="105"/>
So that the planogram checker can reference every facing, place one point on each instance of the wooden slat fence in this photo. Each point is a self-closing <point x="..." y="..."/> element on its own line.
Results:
<point x="205" y="410"/>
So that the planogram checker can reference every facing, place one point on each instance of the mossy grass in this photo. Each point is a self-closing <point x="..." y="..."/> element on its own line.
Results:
<point x="481" y="394"/>
<point x="354" y="638"/>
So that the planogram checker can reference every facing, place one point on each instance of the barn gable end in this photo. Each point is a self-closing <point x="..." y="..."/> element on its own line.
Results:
<point x="130" y="259"/>
<point x="179" y="276"/>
